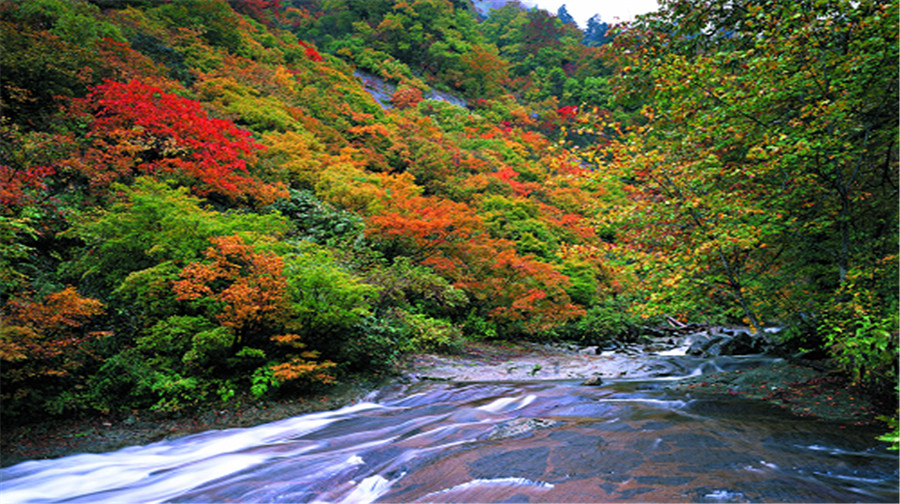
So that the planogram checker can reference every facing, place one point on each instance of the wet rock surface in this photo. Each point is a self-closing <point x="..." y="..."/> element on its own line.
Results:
<point x="802" y="389"/>
<point x="503" y="441"/>
<point x="567" y="361"/>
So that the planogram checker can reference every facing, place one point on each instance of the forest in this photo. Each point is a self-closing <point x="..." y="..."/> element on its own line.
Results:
<point x="203" y="201"/>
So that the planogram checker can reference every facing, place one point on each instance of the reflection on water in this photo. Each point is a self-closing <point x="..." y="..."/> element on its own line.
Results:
<point x="523" y="442"/>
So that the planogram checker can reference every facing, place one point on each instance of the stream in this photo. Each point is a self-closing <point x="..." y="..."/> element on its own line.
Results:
<point x="541" y="441"/>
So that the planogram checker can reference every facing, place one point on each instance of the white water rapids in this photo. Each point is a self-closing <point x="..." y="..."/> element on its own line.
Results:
<point x="490" y="442"/>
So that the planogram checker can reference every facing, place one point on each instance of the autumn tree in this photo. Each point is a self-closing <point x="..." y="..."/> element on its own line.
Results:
<point x="768" y="168"/>
<point x="139" y="129"/>
<point x="43" y="348"/>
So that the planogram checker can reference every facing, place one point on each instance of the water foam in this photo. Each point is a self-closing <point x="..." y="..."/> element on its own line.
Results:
<point x="510" y="481"/>
<point x="153" y="472"/>
<point x="506" y="404"/>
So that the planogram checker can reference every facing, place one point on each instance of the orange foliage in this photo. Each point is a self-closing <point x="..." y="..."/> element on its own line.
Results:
<point x="300" y="368"/>
<point x="40" y="336"/>
<point x="428" y="220"/>
<point x="250" y="285"/>
<point x="405" y="98"/>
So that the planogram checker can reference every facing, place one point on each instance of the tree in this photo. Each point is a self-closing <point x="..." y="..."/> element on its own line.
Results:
<point x="140" y="129"/>
<point x="596" y="33"/>
<point x="42" y="348"/>
<point x="768" y="166"/>
<point x="564" y="16"/>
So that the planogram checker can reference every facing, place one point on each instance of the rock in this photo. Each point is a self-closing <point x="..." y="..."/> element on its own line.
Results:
<point x="743" y="344"/>
<point x="729" y="342"/>
<point x="701" y="347"/>
<point x="715" y="349"/>
<point x="591" y="350"/>
<point x="656" y="347"/>
<point x="519" y="426"/>
<point x="609" y="346"/>
<point x="593" y="381"/>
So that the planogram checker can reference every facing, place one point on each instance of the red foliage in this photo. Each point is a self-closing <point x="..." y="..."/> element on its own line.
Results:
<point x="310" y="51"/>
<point x="140" y="128"/>
<point x="508" y="175"/>
<point x="568" y="112"/>
<point x="15" y="184"/>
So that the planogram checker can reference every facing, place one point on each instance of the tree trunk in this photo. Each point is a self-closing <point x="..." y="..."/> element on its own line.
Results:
<point x="737" y="292"/>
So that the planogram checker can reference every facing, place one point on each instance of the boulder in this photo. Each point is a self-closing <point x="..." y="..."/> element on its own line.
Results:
<point x="743" y="344"/>
<point x="702" y="347"/>
<point x="740" y="343"/>
<point x="594" y="381"/>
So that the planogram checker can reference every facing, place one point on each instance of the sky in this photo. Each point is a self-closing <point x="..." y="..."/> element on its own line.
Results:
<point x="611" y="11"/>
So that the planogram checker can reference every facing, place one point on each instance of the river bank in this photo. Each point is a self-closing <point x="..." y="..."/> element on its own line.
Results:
<point x="807" y="390"/>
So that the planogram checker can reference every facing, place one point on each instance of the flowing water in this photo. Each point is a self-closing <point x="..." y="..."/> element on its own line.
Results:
<point x="492" y="442"/>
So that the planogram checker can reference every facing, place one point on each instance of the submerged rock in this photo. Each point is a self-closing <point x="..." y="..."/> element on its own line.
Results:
<point x="519" y="426"/>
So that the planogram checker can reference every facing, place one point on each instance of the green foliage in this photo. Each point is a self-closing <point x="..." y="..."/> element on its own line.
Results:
<point x="426" y="334"/>
<point x="415" y="288"/>
<point x="176" y="392"/>
<point x="865" y="347"/>
<point x="74" y="21"/>
<point x="325" y="300"/>
<point x="373" y="345"/>
<point x="226" y="391"/>
<point x="319" y="222"/>
<point x="170" y="340"/>
<point x="478" y="328"/>
<point x="124" y="382"/>
<point x="262" y="382"/>
<point x="893" y="423"/>
<point x="163" y="54"/>
<point x="15" y="235"/>
<point x="208" y="348"/>
<point x="216" y="21"/>
<point x="154" y="223"/>
<point x="608" y="320"/>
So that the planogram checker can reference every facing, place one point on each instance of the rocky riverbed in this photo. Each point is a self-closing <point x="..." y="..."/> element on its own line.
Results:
<point x="806" y="388"/>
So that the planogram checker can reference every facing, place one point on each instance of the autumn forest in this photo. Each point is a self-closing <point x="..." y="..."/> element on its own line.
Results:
<point x="205" y="201"/>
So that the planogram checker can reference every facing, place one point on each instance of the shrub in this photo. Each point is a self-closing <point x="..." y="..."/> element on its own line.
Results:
<point x="124" y="382"/>
<point x="427" y="334"/>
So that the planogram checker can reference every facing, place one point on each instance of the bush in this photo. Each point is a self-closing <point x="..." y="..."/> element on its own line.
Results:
<point x="124" y="382"/>
<point x="478" y="328"/>
<point x="415" y="288"/>
<point x="373" y="345"/>
<point x="426" y="334"/>
<point x="318" y="221"/>
<point x="608" y="320"/>
<point x="865" y="347"/>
